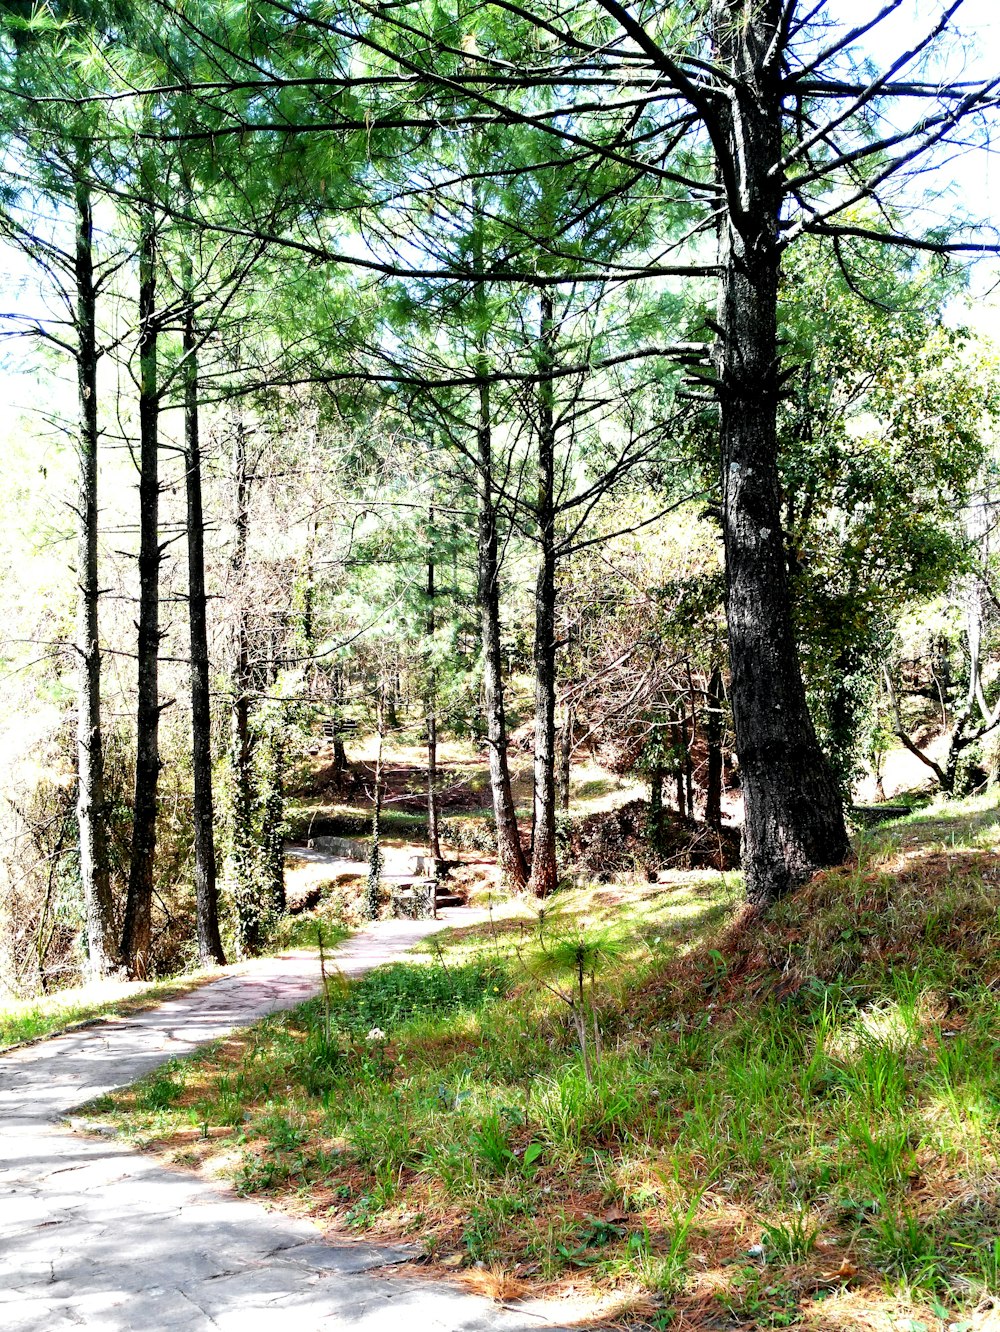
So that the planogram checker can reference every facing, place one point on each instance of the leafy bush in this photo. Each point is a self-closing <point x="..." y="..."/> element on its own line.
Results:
<point x="470" y="832"/>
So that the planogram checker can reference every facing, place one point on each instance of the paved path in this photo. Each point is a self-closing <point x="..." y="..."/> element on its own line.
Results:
<point x="94" y="1235"/>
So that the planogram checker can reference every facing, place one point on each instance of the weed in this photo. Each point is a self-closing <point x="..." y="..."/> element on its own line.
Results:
<point x="753" y="1297"/>
<point x="789" y="1241"/>
<point x="490" y="1143"/>
<point x="903" y="1244"/>
<point x="885" y="1158"/>
<point x="158" y="1092"/>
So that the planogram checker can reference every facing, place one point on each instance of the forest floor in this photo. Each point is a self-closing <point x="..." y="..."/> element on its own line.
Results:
<point x="93" y="1234"/>
<point x="788" y="1122"/>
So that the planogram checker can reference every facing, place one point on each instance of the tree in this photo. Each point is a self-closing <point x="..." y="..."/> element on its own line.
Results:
<point x="59" y="158"/>
<point x="137" y="924"/>
<point x="801" y="135"/>
<point x="883" y="437"/>
<point x="205" y="878"/>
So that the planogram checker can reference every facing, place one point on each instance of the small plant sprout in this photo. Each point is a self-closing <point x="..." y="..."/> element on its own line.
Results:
<point x="578" y="957"/>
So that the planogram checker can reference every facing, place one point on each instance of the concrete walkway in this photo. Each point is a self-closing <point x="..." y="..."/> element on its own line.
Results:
<point x="95" y="1235"/>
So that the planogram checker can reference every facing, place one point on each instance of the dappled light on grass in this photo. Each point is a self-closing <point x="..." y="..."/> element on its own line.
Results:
<point x="790" y="1121"/>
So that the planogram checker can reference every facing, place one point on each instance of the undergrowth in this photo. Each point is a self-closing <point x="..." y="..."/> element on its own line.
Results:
<point x="787" y="1122"/>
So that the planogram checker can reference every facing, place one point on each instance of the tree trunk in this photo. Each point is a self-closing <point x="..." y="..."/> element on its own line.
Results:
<point x="713" y="736"/>
<point x="137" y="931"/>
<point x="433" y="835"/>
<point x="273" y="824"/>
<point x="794" y="822"/>
<point x="544" y="873"/>
<point x="566" y="755"/>
<point x="340" y="761"/>
<point x="102" y="945"/>
<point x="373" y="888"/>
<point x="249" y="907"/>
<point x="656" y="806"/>
<point x="205" y="879"/>
<point x="309" y="596"/>
<point x="688" y="736"/>
<point x="510" y="855"/>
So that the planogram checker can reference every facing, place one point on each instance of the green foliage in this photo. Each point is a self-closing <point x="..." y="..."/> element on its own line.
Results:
<point x="373" y="883"/>
<point x="789" y="1241"/>
<point x="884" y="435"/>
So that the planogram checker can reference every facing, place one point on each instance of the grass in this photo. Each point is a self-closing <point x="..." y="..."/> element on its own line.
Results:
<point x="789" y="1122"/>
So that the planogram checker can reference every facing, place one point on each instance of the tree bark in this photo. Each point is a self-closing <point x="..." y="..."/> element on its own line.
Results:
<point x="273" y="824"/>
<point x="249" y="907"/>
<point x="713" y="737"/>
<point x="102" y="945"/>
<point x="433" y="834"/>
<point x="656" y="819"/>
<point x="137" y="930"/>
<point x="510" y="855"/>
<point x="309" y="594"/>
<point x="205" y="877"/>
<point x="373" y="887"/>
<point x="566" y="755"/>
<point x="688" y="735"/>
<point x="794" y="822"/>
<point x="544" y="873"/>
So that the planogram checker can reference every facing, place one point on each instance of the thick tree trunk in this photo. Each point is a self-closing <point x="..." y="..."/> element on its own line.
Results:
<point x="205" y="878"/>
<point x="544" y="873"/>
<point x="250" y="909"/>
<point x="510" y="854"/>
<point x="137" y="930"/>
<point x="713" y="736"/>
<point x="433" y="834"/>
<point x="794" y="822"/>
<point x="102" y="945"/>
